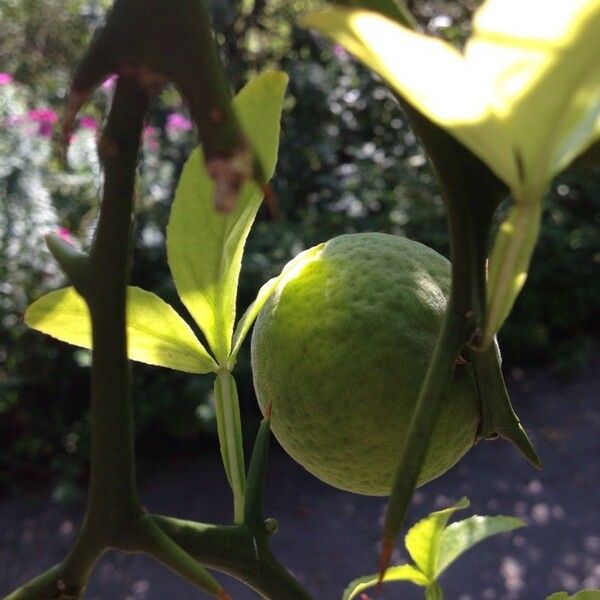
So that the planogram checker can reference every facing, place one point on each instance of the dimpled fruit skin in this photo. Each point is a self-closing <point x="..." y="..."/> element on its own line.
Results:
<point x="340" y="351"/>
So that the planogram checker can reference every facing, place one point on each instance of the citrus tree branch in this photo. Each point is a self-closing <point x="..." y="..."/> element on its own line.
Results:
<point x="112" y="483"/>
<point x="471" y="195"/>
<point x="238" y="551"/>
<point x="101" y="280"/>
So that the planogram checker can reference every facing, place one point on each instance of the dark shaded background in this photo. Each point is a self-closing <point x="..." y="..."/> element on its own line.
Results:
<point x="328" y="537"/>
<point x="348" y="163"/>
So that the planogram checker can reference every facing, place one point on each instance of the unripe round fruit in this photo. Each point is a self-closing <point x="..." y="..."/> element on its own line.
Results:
<point x="340" y="351"/>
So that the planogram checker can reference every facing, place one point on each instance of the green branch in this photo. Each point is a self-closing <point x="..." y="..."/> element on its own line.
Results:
<point x="238" y="551"/>
<point x="472" y="194"/>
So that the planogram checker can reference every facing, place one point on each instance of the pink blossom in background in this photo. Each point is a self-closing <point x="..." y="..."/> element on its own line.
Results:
<point x="109" y="83"/>
<point x="340" y="52"/>
<point x="5" y="78"/>
<point x="150" y="140"/>
<point x="65" y="235"/>
<point x="88" y="123"/>
<point x="43" y="115"/>
<point x="13" y="120"/>
<point x="178" y="122"/>
<point x="46" y="118"/>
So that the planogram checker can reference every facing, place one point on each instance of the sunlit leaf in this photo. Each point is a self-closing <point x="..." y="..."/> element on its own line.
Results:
<point x="399" y="573"/>
<point x="524" y="96"/>
<point x="156" y="334"/>
<point x="460" y="536"/>
<point x="509" y="263"/>
<point x="423" y="539"/>
<point x="205" y="246"/>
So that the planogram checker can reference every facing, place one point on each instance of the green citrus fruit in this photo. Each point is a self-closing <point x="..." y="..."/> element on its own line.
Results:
<point x="340" y="350"/>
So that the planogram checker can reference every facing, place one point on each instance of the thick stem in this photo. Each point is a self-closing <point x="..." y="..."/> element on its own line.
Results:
<point x="238" y="551"/>
<point x="159" y="40"/>
<point x="48" y="585"/>
<point x="472" y="195"/>
<point x="112" y="500"/>
<point x="152" y="540"/>
<point x="203" y="81"/>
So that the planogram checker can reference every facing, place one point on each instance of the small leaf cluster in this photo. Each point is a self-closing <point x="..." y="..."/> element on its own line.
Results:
<point x="434" y="546"/>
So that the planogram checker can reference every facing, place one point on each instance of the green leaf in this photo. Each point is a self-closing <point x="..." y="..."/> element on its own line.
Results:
<point x="399" y="573"/>
<point x="156" y="334"/>
<point x="523" y="96"/>
<point x="509" y="264"/>
<point x="462" y="535"/>
<point x="205" y="246"/>
<point x="423" y="539"/>
<point x="584" y="595"/>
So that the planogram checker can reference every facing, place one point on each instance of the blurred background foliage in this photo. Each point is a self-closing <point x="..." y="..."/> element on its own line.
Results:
<point x="348" y="162"/>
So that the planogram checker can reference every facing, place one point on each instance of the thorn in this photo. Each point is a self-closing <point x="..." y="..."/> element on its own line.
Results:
<point x="384" y="562"/>
<point x="271" y="202"/>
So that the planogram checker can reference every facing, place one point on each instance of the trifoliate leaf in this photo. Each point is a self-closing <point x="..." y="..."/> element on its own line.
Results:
<point x="156" y="334"/>
<point x="205" y="246"/>
<point x="423" y="539"/>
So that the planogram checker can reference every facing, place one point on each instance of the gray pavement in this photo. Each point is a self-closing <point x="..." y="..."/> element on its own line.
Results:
<point x="328" y="537"/>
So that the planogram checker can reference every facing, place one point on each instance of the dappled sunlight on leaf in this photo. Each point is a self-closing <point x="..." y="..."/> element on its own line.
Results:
<point x="156" y="334"/>
<point x="205" y="246"/>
